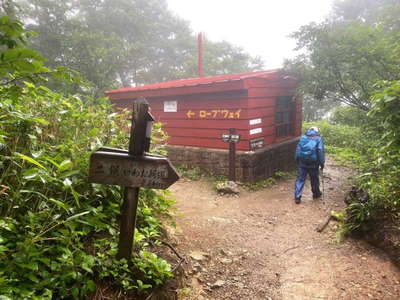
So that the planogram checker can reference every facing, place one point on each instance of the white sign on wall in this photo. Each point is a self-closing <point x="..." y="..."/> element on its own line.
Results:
<point x="256" y="143"/>
<point x="255" y="130"/>
<point x="171" y="106"/>
<point x="255" y="121"/>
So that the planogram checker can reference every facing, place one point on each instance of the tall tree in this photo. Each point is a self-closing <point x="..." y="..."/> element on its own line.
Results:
<point x="365" y="11"/>
<point x="123" y="42"/>
<point x="8" y="8"/>
<point x="344" y="56"/>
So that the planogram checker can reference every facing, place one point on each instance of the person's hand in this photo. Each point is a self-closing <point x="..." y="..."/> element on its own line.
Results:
<point x="322" y="167"/>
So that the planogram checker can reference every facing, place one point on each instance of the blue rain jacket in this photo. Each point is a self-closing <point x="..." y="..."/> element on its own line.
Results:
<point x="320" y="151"/>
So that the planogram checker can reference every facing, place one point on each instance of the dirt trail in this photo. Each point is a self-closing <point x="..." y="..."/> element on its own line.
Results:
<point x="261" y="245"/>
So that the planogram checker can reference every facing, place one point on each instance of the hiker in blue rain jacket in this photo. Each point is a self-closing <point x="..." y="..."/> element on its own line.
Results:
<point x="310" y="156"/>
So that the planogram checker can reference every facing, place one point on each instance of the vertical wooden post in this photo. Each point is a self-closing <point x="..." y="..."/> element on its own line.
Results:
<point x="128" y="222"/>
<point x="200" y="55"/>
<point x="137" y="147"/>
<point x="232" y="157"/>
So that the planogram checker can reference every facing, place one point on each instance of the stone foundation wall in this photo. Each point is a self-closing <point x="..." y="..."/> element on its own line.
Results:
<point x="250" y="166"/>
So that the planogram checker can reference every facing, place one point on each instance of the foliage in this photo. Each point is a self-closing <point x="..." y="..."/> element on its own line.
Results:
<point x="367" y="11"/>
<point x="353" y="57"/>
<point x="345" y="143"/>
<point x="114" y="42"/>
<point x="372" y="146"/>
<point x="380" y="173"/>
<point x="58" y="232"/>
<point x="383" y="185"/>
<point x="348" y="115"/>
<point x="224" y="58"/>
<point x="314" y="109"/>
<point x="195" y="173"/>
<point x="21" y="63"/>
<point x="266" y="183"/>
<point x="344" y="56"/>
<point x="192" y="173"/>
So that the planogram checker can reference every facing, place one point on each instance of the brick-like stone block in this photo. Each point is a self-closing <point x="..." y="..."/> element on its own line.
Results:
<point x="250" y="166"/>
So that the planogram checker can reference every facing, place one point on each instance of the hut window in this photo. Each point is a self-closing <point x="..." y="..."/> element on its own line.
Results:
<point x="284" y="116"/>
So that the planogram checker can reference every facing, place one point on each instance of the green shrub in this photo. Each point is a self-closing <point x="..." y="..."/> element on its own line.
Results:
<point x="374" y="147"/>
<point x="190" y="172"/>
<point x="266" y="183"/>
<point x="58" y="232"/>
<point x="345" y="143"/>
<point x="380" y="174"/>
<point x="349" y="115"/>
<point x="51" y="213"/>
<point x="381" y="177"/>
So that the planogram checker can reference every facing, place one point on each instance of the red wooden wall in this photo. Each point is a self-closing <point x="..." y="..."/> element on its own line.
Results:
<point x="201" y="118"/>
<point x="262" y="98"/>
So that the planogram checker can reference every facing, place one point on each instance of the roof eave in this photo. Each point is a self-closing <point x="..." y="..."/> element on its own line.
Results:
<point x="214" y="87"/>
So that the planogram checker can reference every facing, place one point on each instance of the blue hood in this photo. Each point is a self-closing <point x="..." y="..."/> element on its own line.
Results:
<point x="311" y="132"/>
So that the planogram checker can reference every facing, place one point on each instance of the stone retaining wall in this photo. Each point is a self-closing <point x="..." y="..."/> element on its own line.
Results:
<point x="250" y="166"/>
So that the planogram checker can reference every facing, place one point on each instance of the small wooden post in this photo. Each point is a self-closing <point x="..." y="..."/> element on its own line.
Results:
<point x="232" y="156"/>
<point x="137" y="146"/>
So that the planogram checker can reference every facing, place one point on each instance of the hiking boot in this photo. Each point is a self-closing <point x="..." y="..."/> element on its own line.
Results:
<point x="316" y="196"/>
<point x="297" y="200"/>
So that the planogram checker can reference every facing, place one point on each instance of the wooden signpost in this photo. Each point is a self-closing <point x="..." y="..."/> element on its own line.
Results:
<point x="122" y="169"/>
<point x="232" y="138"/>
<point x="132" y="169"/>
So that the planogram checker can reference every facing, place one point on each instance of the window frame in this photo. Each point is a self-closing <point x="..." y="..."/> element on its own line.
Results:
<point x="287" y="108"/>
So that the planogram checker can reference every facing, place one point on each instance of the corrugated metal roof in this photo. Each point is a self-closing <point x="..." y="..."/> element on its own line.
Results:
<point x="191" y="82"/>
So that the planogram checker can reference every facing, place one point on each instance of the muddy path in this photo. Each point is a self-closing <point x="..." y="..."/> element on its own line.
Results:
<point x="260" y="245"/>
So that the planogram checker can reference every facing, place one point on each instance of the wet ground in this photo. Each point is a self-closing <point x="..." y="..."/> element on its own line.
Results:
<point x="260" y="245"/>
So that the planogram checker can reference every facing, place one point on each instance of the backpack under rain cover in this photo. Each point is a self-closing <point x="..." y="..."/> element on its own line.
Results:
<point x="308" y="150"/>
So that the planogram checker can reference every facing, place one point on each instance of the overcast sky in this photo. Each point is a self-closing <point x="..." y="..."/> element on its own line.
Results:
<point x="261" y="27"/>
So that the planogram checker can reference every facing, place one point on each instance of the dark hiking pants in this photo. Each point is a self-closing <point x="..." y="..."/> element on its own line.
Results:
<point x="301" y="179"/>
